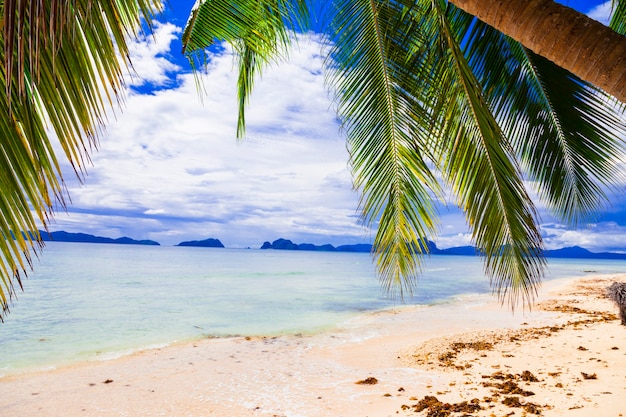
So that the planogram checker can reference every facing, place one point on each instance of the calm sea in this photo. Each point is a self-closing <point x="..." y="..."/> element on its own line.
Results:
<point x="98" y="301"/>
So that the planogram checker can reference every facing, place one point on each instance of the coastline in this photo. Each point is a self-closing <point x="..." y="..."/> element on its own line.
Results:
<point x="452" y="352"/>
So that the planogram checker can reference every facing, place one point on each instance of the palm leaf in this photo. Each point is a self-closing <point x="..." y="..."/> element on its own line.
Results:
<point x="61" y="71"/>
<point x="618" y="18"/>
<point x="372" y="79"/>
<point x="565" y="131"/>
<point x="573" y="142"/>
<point x="258" y="30"/>
<point x="480" y="165"/>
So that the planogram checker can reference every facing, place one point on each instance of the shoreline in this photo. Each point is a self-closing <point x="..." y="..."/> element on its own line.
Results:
<point x="395" y="354"/>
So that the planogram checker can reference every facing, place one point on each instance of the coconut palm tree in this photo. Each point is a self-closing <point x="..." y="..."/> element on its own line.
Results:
<point x="433" y="99"/>
<point x="62" y="69"/>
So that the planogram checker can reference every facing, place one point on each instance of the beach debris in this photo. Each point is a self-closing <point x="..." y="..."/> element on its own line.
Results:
<point x="501" y="389"/>
<point x="437" y="408"/>
<point x="367" y="381"/>
<point x="507" y="387"/>
<point x="514" y="402"/>
<point x="617" y="293"/>
<point x="509" y="384"/>
<point x="528" y="377"/>
<point x="448" y="358"/>
<point x="108" y="381"/>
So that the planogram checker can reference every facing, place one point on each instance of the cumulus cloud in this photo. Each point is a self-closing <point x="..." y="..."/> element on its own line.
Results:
<point x="149" y="54"/>
<point x="596" y="237"/>
<point x="602" y="12"/>
<point x="170" y="168"/>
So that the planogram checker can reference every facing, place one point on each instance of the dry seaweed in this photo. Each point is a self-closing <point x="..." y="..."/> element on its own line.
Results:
<point x="437" y="408"/>
<point x="367" y="381"/>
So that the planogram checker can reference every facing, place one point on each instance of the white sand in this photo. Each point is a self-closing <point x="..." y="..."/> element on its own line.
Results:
<point x="312" y="376"/>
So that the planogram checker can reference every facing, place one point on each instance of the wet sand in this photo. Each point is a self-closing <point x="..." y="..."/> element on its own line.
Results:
<point x="567" y="357"/>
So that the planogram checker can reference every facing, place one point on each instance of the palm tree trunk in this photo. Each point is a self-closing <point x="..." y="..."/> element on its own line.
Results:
<point x="581" y="45"/>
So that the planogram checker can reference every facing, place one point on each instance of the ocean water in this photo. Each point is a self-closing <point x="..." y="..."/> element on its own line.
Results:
<point x="99" y="301"/>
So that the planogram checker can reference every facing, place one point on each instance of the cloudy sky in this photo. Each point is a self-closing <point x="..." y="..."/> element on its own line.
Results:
<point x="169" y="167"/>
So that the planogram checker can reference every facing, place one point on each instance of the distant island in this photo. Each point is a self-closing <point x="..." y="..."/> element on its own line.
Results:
<point x="285" y="244"/>
<point x="574" y="252"/>
<point x="62" y="236"/>
<point x="570" y="252"/>
<point x="206" y="243"/>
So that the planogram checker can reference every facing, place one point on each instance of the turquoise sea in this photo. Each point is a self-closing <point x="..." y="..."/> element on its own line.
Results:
<point x="99" y="301"/>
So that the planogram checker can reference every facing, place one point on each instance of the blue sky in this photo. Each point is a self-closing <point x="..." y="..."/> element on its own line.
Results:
<point x="169" y="167"/>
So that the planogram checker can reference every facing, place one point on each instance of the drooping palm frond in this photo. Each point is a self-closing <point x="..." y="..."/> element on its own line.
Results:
<point x="574" y="142"/>
<point x="61" y="70"/>
<point x="565" y="131"/>
<point x="258" y="31"/>
<point x="369" y="57"/>
<point x="479" y="162"/>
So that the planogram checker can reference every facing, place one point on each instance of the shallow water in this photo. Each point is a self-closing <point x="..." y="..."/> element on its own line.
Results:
<point x="97" y="301"/>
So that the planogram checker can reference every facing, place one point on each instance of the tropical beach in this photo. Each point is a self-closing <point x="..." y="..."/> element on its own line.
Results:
<point x="565" y="357"/>
<point x="492" y="128"/>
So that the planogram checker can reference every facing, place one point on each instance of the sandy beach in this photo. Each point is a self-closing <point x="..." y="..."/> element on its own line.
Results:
<point x="566" y="357"/>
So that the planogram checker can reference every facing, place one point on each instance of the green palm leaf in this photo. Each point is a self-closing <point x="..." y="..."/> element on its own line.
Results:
<point x="565" y="131"/>
<point x="573" y="143"/>
<point x="369" y="56"/>
<point x="61" y="71"/>
<point x="258" y="30"/>
<point x="479" y="162"/>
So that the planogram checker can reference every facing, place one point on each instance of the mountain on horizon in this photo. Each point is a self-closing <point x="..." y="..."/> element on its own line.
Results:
<point x="62" y="236"/>
<point x="568" y="252"/>
<point x="286" y="244"/>
<point x="206" y="243"/>
<point x="571" y="252"/>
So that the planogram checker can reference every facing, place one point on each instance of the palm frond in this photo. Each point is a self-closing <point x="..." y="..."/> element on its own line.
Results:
<point x="259" y="31"/>
<point x="61" y="71"/>
<point x="565" y="131"/>
<point x="574" y="140"/>
<point x="369" y="56"/>
<point x="480" y="165"/>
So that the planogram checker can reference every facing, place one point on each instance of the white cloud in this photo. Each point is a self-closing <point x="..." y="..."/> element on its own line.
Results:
<point x="601" y="13"/>
<point x="149" y="56"/>
<point x="171" y="169"/>
<point x="456" y="240"/>
<point x="596" y="237"/>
